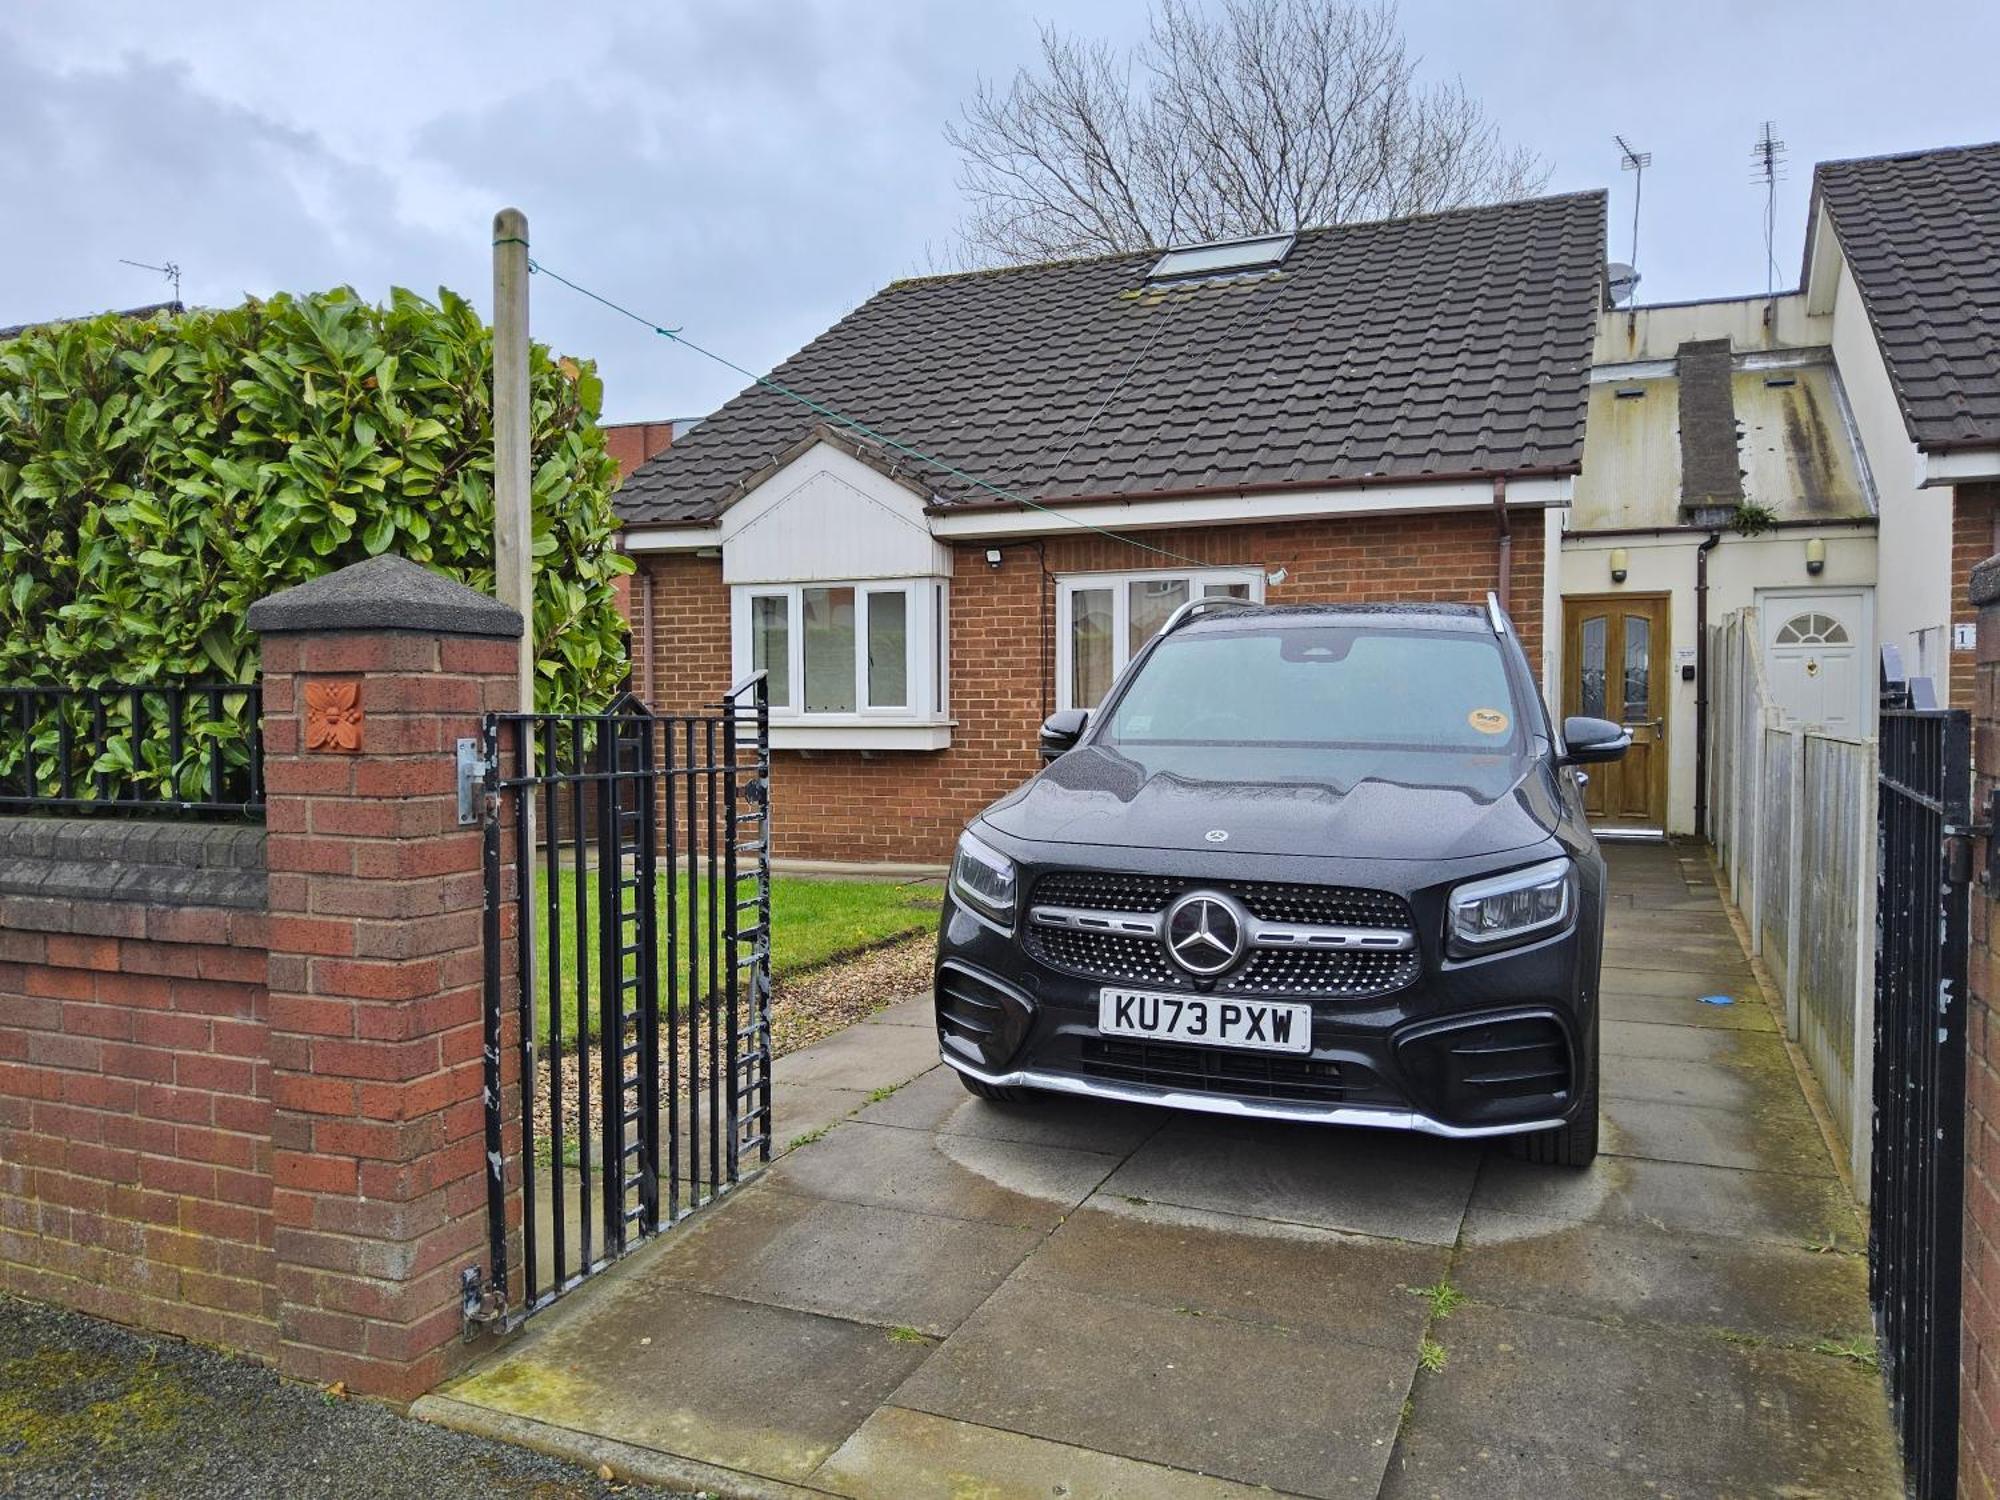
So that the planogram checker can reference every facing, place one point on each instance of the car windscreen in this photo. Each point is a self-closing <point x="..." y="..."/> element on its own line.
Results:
<point x="1320" y="687"/>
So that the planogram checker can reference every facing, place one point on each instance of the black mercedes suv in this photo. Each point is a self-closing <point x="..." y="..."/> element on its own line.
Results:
<point x="1324" y="864"/>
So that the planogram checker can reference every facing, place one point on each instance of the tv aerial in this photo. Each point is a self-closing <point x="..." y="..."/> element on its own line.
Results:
<point x="170" y="269"/>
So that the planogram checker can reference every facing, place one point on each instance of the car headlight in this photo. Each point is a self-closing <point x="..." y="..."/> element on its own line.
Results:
<point x="983" y="878"/>
<point x="1507" y="909"/>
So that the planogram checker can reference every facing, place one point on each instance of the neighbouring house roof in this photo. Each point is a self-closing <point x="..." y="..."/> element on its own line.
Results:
<point x="1921" y="233"/>
<point x="1451" y="344"/>
<point x="149" y="310"/>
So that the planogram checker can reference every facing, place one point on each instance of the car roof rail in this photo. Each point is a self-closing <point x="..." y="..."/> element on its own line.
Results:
<point x="1194" y="607"/>
<point x="1496" y="614"/>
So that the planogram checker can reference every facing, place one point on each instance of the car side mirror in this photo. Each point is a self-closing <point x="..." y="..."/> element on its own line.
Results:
<point x="1586" y="741"/>
<point x="1061" y="731"/>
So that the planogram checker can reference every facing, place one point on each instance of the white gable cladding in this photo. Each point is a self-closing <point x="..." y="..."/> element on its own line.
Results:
<point x="829" y="517"/>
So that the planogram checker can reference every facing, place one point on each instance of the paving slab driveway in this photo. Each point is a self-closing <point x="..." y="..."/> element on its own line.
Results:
<point x="941" y="1296"/>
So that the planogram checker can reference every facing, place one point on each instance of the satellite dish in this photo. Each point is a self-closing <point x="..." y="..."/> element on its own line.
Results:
<point x="1624" y="281"/>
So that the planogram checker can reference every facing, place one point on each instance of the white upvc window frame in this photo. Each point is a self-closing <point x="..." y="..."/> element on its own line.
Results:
<point x="918" y="724"/>
<point x="1200" y="582"/>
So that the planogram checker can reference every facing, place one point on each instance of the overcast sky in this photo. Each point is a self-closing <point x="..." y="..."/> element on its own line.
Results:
<point x="751" y="169"/>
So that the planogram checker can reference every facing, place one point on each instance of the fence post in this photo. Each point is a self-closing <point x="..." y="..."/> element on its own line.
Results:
<point x="1794" y="877"/>
<point x="1861" y="1132"/>
<point x="371" y="675"/>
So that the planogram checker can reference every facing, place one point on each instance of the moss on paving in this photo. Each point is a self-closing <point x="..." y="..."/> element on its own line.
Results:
<point x="90" y="1409"/>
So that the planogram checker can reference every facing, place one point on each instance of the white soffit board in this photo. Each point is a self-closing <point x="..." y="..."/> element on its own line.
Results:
<point x="827" y="515"/>
<point x="1960" y="466"/>
<point x="1223" y="510"/>
<point x="974" y="523"/>
<point x="670" y="538"/>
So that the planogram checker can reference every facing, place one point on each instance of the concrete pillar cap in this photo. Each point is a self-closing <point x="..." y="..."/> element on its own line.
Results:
<point x="384" y="593"/>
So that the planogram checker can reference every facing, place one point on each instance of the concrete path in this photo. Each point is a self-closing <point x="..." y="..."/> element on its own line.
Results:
<point x="932" y="1295"/>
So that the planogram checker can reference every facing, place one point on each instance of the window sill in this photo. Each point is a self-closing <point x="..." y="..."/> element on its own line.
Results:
<point x="860" y="734"/>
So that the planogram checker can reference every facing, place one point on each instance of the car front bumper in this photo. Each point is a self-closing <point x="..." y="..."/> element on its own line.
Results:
<point x="1418" y="1059"/>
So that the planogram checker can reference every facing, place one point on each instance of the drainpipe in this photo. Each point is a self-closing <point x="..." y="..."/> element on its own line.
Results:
<point x="1701" y="682"/>
<point x="652" y="693"/>
<point x="1506" y="543"/>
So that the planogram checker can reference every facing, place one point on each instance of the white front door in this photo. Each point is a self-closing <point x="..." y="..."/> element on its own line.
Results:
<point x="1817" y="654"/>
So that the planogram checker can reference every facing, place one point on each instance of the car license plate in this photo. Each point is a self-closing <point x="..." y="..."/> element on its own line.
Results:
<point x="1205" y="1020"/>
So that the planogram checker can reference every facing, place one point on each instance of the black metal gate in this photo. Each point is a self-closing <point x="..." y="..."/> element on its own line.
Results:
<point x="1917" y="1169"/>
<point x="642" y="912"/>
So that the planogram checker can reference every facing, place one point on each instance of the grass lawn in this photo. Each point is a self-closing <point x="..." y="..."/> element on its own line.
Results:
<point x="812" y="923"/>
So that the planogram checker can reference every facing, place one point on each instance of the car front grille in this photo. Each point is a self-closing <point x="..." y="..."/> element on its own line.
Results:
<point x="1124" y="958"/>
<point x="1248" y="1075"/>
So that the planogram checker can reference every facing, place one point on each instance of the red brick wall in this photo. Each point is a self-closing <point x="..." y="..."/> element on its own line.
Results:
<point x="632" y="443"/>
<point x="909" y="806"/>
<point x="242" y="1069"/>
<point x="135" y="1111"/>
<point x="1979" y="1345"/>
<point x="1974" y="510"/>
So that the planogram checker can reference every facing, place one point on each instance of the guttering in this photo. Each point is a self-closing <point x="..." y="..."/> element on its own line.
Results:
<point x="1286" y="486"/>
<point x="1708" y="545"/>
<point x="1506" y="559"/>
<point x="1851" y="523"/>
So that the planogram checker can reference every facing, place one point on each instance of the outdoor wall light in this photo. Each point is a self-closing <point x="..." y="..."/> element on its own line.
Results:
<point x="1816" y="556"/>
<point x="1618" y="561"/>
<point x="992" y="557"/>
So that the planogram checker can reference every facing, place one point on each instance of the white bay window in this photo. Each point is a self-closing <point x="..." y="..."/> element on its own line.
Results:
<point x="1102" y="619"/>
<point x="858" y="665"/>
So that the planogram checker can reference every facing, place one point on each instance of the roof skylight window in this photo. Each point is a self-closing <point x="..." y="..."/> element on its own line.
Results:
<point x="1221" y="258"/>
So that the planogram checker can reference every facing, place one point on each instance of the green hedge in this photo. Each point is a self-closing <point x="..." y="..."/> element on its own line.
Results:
<point x="157" y="476"/>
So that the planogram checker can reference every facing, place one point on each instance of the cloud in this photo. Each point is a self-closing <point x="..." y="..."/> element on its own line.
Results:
<point x="132" y="159"/>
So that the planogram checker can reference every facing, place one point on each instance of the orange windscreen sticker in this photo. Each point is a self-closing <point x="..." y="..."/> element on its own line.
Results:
<point x="1487" y="720"/>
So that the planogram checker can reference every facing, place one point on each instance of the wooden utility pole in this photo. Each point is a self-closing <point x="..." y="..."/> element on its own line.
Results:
<point x="513" y="533"/>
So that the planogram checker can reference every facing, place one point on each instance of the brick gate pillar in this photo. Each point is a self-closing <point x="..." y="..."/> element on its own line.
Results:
<point x="371" y="676"/>
<point x="1979" y="1342"/>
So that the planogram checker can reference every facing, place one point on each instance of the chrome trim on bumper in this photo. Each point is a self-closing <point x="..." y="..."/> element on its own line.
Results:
<point x="1257" y="933"/>
<point x="1245" y="1109"/>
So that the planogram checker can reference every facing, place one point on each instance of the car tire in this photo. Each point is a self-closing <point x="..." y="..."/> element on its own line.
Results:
<point x="980" y="1089"/>
<point x="1571" y="1145"/>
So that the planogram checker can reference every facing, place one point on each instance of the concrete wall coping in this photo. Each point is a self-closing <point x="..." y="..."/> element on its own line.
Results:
<point x="1985" y="586"/>
<point x="157" y="863"/>
<point x="384" y="593"/>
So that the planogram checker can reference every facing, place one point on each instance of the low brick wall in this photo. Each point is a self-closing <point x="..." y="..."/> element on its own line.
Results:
<point x="242" y="1069"/>
<point x="135" y="1080"/>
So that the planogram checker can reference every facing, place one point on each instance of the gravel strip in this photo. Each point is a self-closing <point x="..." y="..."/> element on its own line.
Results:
<point x="88" y="1409"/>
<point x="805" y="1008"/>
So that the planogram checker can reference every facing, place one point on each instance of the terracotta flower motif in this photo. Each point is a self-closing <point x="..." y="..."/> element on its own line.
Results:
<point x="333" y="717"/>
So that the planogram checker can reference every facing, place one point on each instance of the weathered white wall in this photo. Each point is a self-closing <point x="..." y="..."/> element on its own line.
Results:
<point x="1639" y="333"/>
<point x="1737" y="568"/>
<point x="1913" y="603"/>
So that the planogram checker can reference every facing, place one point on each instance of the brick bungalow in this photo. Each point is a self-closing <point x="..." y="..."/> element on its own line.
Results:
<point x="1368" y="412"/>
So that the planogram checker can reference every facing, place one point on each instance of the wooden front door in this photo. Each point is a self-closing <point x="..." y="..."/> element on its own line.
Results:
<point x="1616" y="667"/>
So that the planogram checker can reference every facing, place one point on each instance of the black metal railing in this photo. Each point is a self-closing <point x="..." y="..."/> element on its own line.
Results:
<point x="642" y="920"/>
<point x="155" y="748"/>
<point x="1918" y="1161"/>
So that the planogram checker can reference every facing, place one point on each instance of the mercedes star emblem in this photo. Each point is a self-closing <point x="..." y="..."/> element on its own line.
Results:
<point x="1217" y="835"/>
<point x="1204" y="933"/>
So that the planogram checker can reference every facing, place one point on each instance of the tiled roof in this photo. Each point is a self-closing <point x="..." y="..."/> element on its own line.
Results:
<point x="1922" y="235"/>
<point x="149" y="310"/>
<point x="1451" y="344"/>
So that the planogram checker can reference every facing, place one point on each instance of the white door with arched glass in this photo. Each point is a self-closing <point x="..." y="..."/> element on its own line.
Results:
<point x="1817" y="654"/>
